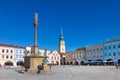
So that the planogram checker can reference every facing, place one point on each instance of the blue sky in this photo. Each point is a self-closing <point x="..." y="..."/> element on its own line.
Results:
<point x="84" y="22"/>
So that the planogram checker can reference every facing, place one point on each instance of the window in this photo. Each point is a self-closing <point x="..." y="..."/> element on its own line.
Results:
<point x="80" y="56"/>
<point x="105" y="54"/>
<point x="16" y="51"/>
<point x="52" y="57"/>
<point x="87" y="50"/>
<point x="11" y="51"/>
<point x="109" y="54"/>
<point x="119" y="46"/>
<point x="55" y="57"/>
<point x="77" y="55"/>
<point x="11" y="57"/>
<point x="58" y="58"/>
<point x="20" y="51"/>
<point x="7" y="51"/>
<point x="114" y="54"/>
<point x="3" y="50"/>
<point x="7" y="56"/>
<point x="21" y="56"/>
<point x="62" y="49"/>
<point x="105" y="48"/>
<point x="90" y="50"/>
<point x="114" y="46"/>
<point x="16" y="56"/>
<point x="119" y="53"/>
<point x="109" y="47"/>
<point x="97" y="49"/>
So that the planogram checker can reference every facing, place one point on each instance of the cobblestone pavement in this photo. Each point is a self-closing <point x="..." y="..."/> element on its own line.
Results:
<point x="66" y="73"/>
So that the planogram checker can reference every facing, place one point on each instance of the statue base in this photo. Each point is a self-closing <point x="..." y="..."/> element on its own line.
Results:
<point x="31" y="65"/>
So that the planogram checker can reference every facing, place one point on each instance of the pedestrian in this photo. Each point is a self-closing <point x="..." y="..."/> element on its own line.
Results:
<point x="4" y="66"/>
<point x="38" y="69"/>
<point x="0" y="66"/>
<point x="50" y="66"/>
<point x="116" y="64"/>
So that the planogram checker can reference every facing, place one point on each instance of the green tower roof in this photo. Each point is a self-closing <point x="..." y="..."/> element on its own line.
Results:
<point x="61" y="36"/>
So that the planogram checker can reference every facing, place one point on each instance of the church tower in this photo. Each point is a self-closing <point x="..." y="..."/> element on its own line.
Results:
<point x="62" y="45"/>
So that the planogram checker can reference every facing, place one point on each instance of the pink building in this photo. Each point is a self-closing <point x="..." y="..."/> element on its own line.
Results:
<point x="54" y="58"/>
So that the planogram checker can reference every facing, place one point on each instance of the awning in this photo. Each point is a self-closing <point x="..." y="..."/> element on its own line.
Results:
<point x="107" y="61"/>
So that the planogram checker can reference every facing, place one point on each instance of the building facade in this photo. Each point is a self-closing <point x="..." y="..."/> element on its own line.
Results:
<point x="8" y="55"/>
<point x="41" y="52"/>
<point x="94" y="52"/>
<point x="111" y="50"/>
<point x="19" y="55"/>
<point x="69" y="58"/>
<point x="44" y="52"/>
<point x="54" y="58"/>
<point x="79" y="56"/>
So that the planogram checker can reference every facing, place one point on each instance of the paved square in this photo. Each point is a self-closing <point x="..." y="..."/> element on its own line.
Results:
<point x="66" y="73"/>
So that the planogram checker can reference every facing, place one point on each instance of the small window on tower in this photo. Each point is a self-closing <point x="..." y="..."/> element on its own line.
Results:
<point x="62" y="49"/>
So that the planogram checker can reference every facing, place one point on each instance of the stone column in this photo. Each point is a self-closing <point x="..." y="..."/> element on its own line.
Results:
<point x="35" y="28"/>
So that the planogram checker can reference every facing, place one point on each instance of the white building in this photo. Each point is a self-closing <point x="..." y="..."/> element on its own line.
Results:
<point x="42" y="52"/>
<point x="94" y="52"/>
<point x="19" y="55"/>
<point x="8" y="55"/>
<point x="54" y="58"/>
<point x="79" y="56"/>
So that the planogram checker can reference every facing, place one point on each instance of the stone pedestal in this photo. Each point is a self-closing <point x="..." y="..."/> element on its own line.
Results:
<point x="32" y="62"/>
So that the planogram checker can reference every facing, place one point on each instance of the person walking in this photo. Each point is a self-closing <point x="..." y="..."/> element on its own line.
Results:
<point x="50" y="66"/>
<point x="39" y="68"/>
<point x="116" y="64"/>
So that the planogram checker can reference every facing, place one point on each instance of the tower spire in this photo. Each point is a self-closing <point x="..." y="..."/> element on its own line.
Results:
<point x="61" y="34"/>
<point x="61" y="43"/>
<point x="62" y="47"/>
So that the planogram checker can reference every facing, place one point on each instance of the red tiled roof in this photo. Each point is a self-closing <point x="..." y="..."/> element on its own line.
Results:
<point x="6" y="45"/>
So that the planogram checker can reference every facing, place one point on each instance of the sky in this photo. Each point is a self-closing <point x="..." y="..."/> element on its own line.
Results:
<point x="84" y="22"/>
